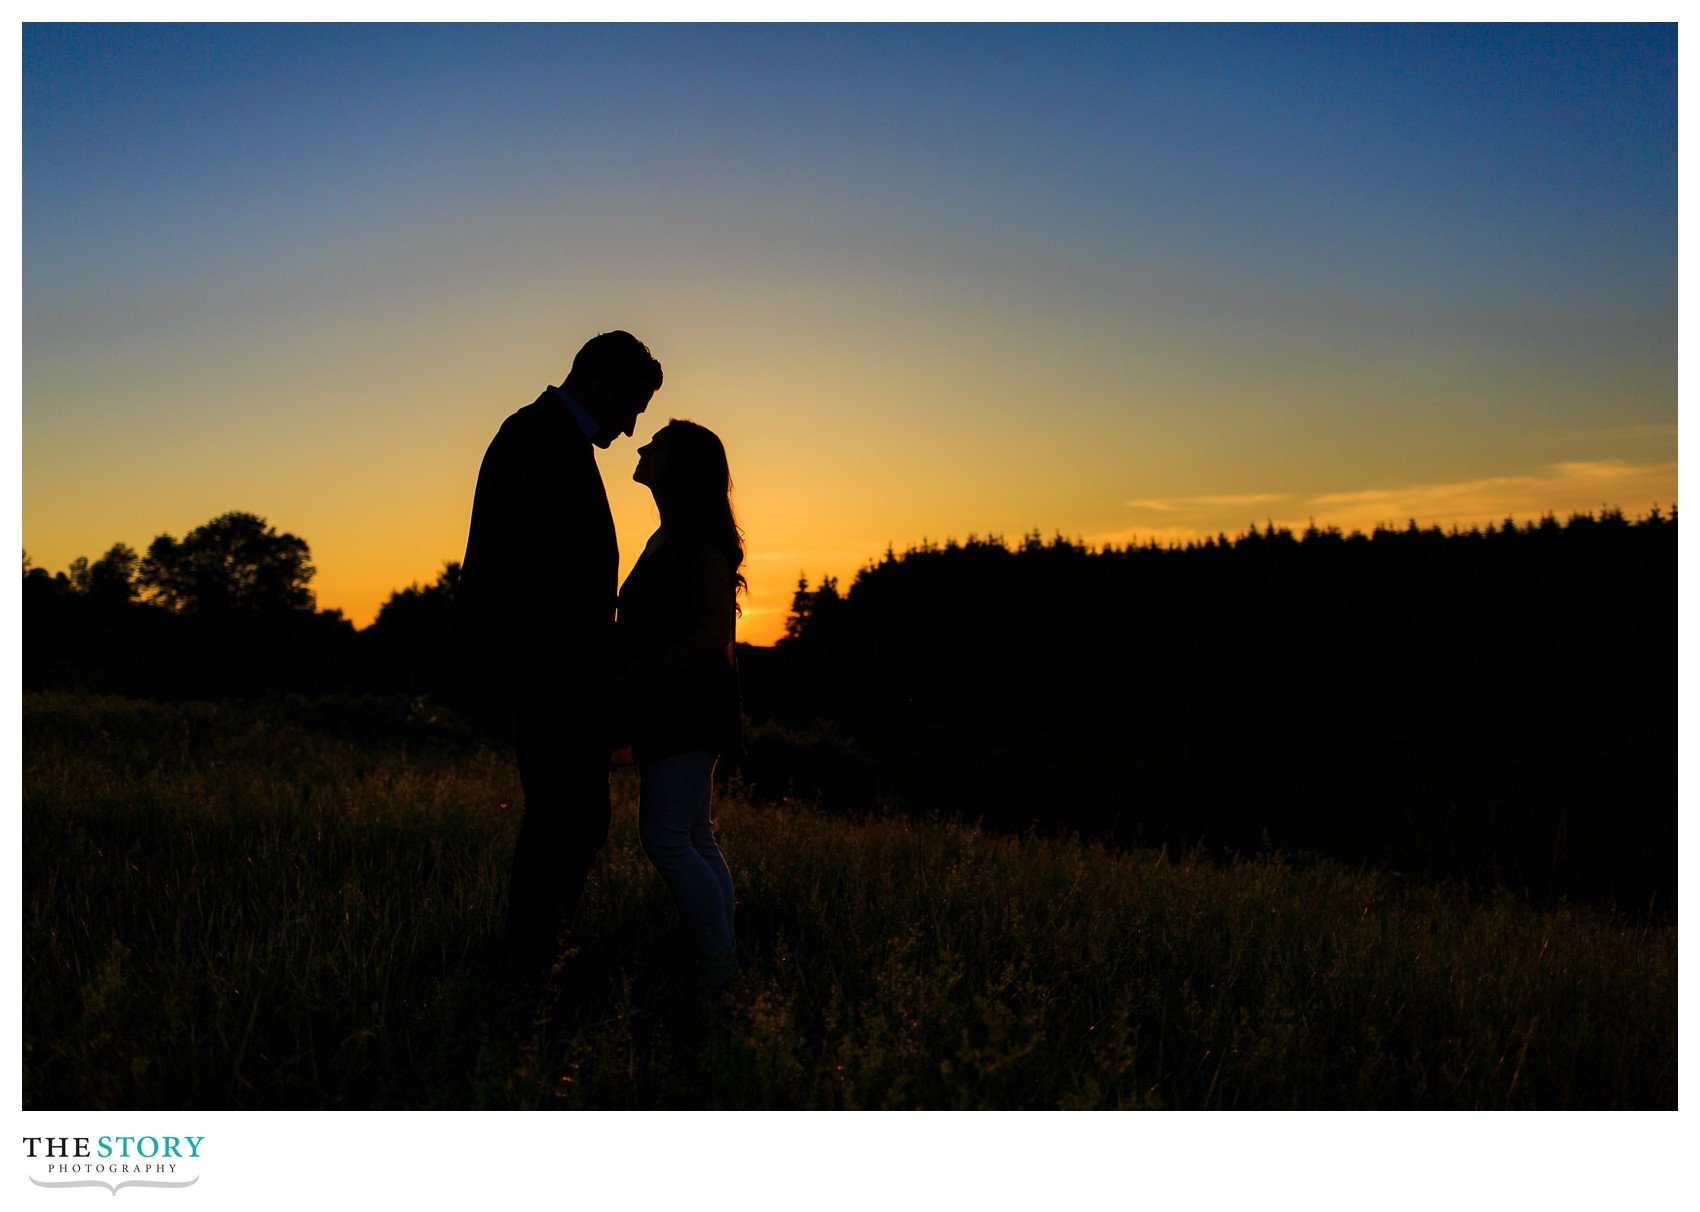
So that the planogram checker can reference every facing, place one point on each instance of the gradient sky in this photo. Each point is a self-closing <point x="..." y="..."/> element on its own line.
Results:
<point x="1118" y="282"/>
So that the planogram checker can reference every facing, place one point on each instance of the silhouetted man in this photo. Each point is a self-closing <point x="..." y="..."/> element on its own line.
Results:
<point x="535" y="621"/>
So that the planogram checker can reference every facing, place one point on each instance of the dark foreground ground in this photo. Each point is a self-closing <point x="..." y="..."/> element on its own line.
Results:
<point x="293" y="904"/>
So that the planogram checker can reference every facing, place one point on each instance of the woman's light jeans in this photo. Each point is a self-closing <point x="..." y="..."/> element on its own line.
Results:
<point x="678" y="836"/>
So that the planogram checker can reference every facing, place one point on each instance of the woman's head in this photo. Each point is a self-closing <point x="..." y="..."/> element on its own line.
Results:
<point x="684" y="461"/>
<point x="684" y="465"/>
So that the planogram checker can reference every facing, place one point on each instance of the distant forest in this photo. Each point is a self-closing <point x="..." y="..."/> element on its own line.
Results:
<point x="1494" y="705"/>
<point x="1535" y="619"/>
<point x="1532" y="621"/>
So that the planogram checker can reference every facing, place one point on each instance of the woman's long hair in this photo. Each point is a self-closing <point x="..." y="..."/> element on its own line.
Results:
<point x="695" y="499"/>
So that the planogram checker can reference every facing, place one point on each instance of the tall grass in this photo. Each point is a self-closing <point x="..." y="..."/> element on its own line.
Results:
<point x="244" y="908"/>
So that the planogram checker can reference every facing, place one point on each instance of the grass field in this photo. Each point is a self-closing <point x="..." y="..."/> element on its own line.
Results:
<point x="295" y="905"/>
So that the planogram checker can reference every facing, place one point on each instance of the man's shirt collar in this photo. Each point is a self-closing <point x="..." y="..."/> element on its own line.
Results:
<point x="586" y="422"/>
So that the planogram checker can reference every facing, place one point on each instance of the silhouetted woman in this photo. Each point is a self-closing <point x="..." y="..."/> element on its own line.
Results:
<point x="678" y="691"/>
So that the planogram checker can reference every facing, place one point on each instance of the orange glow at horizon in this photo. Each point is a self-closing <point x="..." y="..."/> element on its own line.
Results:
<point x="1562" y="490"/>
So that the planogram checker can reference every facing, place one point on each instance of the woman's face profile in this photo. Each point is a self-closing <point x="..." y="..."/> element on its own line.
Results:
<point x="652" y="460"/>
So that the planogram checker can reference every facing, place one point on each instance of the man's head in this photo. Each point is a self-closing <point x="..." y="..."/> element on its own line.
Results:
<point x="613" y="378"/>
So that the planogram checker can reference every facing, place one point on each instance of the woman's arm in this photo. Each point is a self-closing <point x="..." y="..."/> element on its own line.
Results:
<point x="708" y="585"/>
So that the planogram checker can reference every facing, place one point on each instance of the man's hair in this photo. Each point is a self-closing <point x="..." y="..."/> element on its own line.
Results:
<point x="618" y="354"/>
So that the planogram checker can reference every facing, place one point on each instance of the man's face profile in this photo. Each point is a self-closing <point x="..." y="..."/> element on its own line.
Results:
<point x="616" y="408"/>
<point x="624" y="417"/>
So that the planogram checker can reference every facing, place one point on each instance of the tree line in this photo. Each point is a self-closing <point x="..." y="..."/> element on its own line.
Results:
<point x="235" y="564"/>
<point x="1534" y="618"/>
<point x="228" y="609"/>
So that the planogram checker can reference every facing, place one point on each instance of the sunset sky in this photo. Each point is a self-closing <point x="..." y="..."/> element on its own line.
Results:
<point x="1117" y="282"/>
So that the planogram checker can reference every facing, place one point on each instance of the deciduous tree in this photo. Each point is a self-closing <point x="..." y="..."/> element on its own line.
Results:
<point x="235" y="564"/>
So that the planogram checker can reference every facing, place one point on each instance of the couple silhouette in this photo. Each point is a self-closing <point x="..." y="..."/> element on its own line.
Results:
<point x="597" y="675"/>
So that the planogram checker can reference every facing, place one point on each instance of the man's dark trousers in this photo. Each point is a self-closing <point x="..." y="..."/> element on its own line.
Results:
<point x="563" y="770"/>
